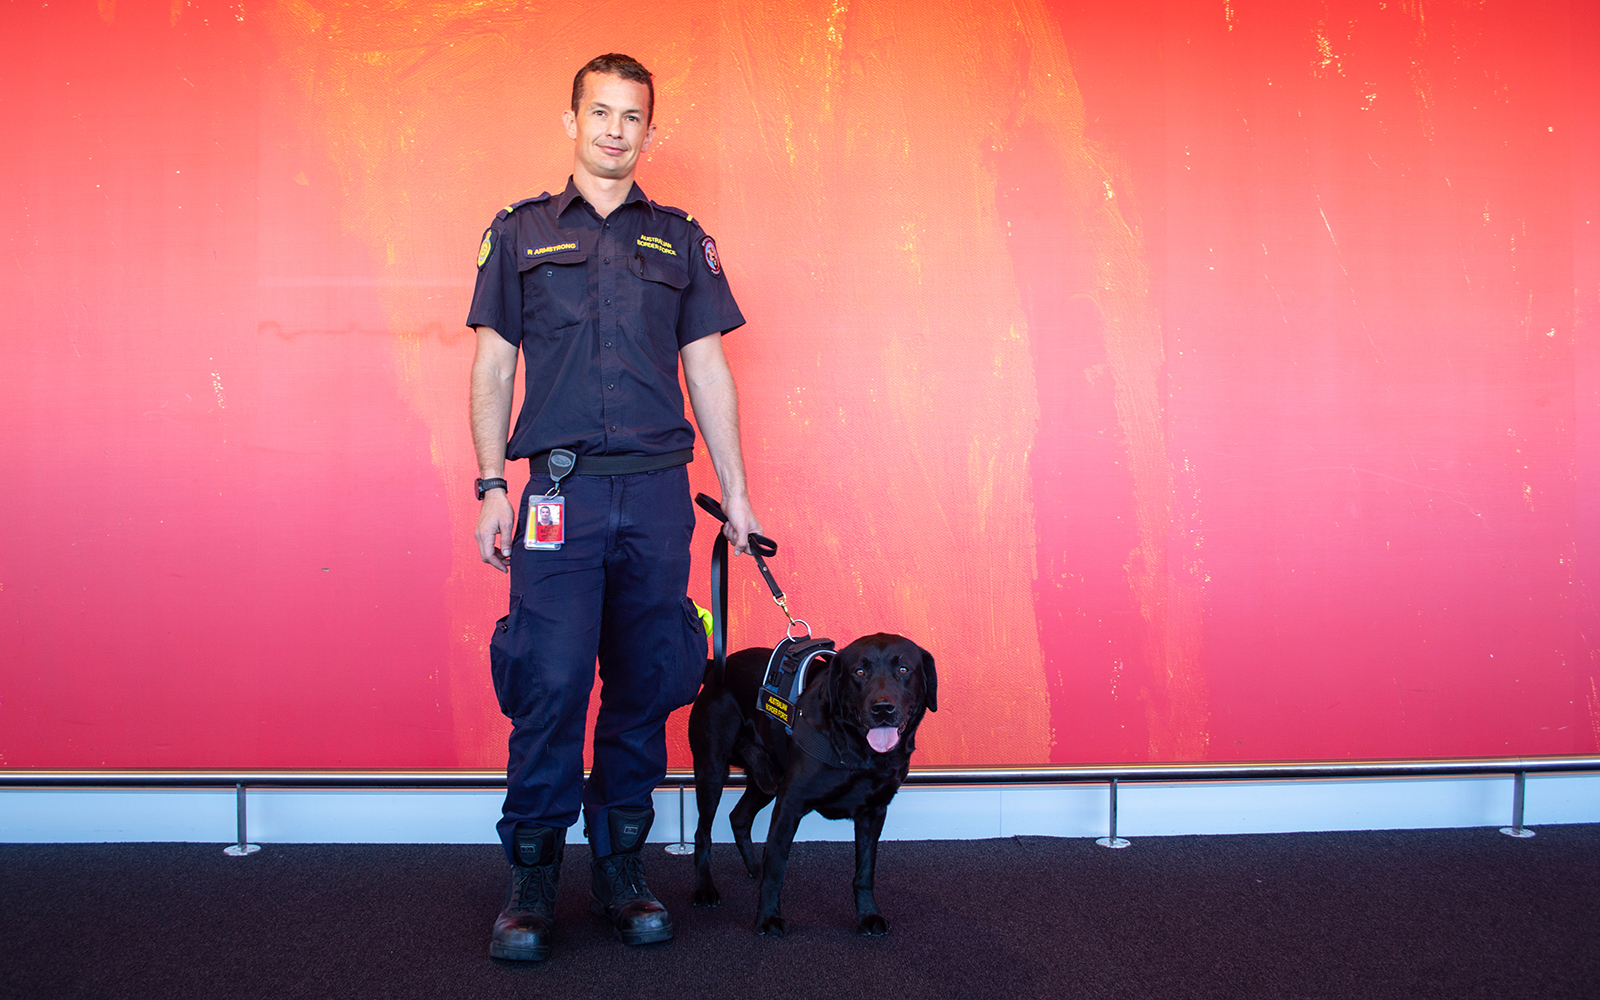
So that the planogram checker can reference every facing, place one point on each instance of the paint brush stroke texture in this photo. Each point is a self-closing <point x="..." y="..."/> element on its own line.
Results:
<point x="1197" y="380"/>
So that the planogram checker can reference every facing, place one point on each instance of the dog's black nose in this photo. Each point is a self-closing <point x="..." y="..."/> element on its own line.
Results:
<point x="882" y="710"/>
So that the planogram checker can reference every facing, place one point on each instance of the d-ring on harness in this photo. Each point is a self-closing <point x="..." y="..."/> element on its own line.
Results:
<point x="792" y="658"/>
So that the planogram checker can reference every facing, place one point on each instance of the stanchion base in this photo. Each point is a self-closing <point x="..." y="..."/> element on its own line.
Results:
<point x="1114" y="842"/>
<point x="1517" y="831"/>
<point x="679" y="848"/>
<point x="240" y="850"/>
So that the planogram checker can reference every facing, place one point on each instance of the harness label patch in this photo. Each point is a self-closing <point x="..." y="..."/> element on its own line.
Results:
<point x="657" y="243"/>
<point x="556" y="248"/>
<point x="778" y="708"/>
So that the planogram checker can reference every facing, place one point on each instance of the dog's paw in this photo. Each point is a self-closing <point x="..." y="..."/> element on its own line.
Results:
<point x="773" y="926"/>
<point x="707" y="895"/>
<point x="872" y="924"/>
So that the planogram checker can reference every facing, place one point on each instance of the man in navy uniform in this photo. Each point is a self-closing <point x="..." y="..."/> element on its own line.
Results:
<point x="604" y="291"/>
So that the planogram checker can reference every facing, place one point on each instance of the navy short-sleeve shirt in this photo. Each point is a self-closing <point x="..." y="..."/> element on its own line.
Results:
<point x="600" y="308"/>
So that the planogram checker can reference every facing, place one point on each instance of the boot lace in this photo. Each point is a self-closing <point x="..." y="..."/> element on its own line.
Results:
<point x="625" y="877"/>
<point x="535" y="887"/>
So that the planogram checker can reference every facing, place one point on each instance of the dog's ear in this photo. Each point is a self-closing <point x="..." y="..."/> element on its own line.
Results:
<point x="836" y="669"/>
<point x="930" y="680"/>
<point x="839" y="667"/>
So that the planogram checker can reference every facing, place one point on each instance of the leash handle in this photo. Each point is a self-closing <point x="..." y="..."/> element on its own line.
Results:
<point x="760" y="547"/>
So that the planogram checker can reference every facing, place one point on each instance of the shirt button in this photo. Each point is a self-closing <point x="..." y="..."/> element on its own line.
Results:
<point x="608" y="343"/>
<point x="608" y="302"/>
<point x="613" y="426"/>
<point x="608" y="260"/>
<point x="611" y="385"/>
<point x="549" y="274"/>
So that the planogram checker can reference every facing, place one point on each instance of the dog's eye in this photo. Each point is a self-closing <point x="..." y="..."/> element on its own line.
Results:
<point x="905" y="669"/>
<point x="861" y="671"/>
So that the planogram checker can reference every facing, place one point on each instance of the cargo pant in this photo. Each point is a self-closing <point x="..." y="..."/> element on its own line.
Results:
<point x="616" y="590"/>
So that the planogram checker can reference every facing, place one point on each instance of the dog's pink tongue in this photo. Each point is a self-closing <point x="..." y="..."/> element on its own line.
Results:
<point x="884" y="738"/>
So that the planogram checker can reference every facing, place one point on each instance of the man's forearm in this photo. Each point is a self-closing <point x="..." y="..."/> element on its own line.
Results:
<point x="716" y="410"/>
<point x="494" y="367"/>
<point x="490" y="402"/>
<point x="715" y="400"/>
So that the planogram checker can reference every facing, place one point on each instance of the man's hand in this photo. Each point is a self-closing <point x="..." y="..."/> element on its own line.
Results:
<point x="741" y="523"/>
<point x="496" y="523"/>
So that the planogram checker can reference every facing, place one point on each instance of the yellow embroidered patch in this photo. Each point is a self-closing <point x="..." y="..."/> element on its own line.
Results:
<point x="556" y="248"/>
<point x="657" y="243"/>
<point x="486" y="247"/>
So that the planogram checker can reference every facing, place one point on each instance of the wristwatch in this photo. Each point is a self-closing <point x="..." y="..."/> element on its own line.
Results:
<point x="485" y="485"/>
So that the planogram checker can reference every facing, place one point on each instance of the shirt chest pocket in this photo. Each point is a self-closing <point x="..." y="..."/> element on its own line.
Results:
<point x="660" y="285"/>
<point x="555" y="290"/>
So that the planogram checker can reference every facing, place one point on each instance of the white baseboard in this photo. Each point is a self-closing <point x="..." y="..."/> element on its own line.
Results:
<point x="919" y="812"/>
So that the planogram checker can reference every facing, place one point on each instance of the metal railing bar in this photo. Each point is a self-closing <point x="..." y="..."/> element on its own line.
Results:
<point x="1086" y="773"/>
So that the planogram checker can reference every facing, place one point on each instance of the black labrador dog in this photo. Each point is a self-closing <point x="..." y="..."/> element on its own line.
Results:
<point x="867" y="705"/>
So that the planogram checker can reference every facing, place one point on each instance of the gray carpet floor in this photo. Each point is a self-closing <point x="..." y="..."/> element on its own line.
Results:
<point x="1414" y="914"/>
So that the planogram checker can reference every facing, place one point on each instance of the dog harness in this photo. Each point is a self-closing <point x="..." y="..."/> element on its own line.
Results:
<point x="785" y="681"/>
<point x="794" y="657"/>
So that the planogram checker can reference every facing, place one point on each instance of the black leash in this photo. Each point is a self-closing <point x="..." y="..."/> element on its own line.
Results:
<point x="785" y="676"/>
<point x="760" y="547"/>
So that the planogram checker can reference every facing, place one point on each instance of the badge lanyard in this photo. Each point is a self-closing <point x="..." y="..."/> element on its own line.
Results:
<point x="547" y="514"/>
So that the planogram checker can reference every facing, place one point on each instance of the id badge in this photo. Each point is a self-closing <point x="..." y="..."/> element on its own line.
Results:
<point x="547" y="522"/>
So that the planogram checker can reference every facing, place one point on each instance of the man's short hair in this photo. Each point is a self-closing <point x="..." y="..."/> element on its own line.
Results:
<point x="616" y="64"/>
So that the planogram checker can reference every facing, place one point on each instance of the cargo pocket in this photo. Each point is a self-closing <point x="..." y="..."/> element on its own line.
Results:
<point x="681" y="686"/>
<point x="516" y="683"/>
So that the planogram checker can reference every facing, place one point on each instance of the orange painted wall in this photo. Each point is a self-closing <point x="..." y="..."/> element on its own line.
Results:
<point x="1200" y="380"/>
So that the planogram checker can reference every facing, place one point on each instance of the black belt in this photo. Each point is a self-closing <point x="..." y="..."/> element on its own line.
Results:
<point x="618" y="465"/>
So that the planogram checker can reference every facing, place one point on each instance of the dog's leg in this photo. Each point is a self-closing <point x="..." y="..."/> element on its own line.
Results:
<point x="869" y="826"/>
<point x="743" y="815"/>
<point x="708" y="782"/>
<point x="780" y="837"/>
<point x="710" y="775"/>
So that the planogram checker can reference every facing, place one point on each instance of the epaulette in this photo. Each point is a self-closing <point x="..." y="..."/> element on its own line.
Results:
<point x="680" y="213"/>
<point x="526" y="201"/>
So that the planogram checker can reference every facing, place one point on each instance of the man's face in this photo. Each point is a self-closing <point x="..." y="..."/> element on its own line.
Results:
<point x="609" y="127"/>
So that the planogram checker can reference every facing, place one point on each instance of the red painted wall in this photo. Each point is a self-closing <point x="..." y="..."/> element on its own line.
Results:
<point x="1204" y="380"/>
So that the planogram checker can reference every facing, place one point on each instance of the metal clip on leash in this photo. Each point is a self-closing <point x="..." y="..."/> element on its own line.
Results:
<point x="761" y="547"/>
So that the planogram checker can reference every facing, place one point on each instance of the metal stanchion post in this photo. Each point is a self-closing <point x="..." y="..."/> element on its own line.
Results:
<point x="242" y="848"/>
<point x="1516" y="829"/>
<point x="682" y="846"/>
<point x="1113" y="840"/>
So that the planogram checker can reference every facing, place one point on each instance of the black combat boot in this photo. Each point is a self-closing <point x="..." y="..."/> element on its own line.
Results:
<point x="620" y="894"/>
<point x="522" y="930"/>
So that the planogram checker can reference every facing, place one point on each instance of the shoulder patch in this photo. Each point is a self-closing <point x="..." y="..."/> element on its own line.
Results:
<point x="486" y="247"/>
<point x="708" y="247"/>
<point x="545" y="196"/>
